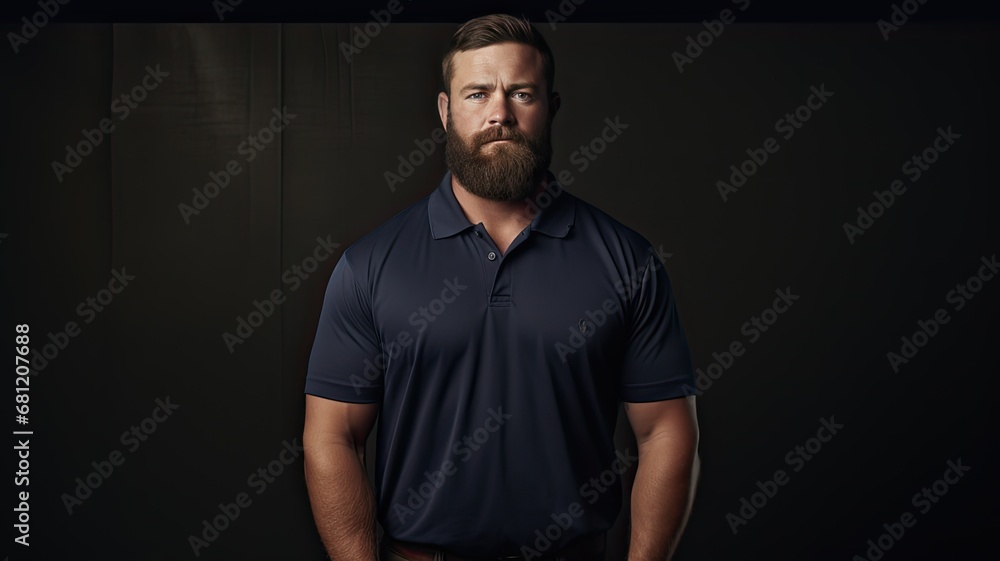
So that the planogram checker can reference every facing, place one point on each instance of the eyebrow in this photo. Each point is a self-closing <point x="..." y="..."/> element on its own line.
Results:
<point x="513" y="87"/>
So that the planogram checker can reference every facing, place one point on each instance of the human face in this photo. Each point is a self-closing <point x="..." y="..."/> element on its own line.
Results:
<point x="498" y="121"/>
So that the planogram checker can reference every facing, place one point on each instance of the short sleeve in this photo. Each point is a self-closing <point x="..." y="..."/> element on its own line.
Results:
<point x="657" y="362"/>
<point x="345" y="363"/>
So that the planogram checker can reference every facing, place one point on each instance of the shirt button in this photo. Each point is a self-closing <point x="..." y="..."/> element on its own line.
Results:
<point x="491" y="256"/>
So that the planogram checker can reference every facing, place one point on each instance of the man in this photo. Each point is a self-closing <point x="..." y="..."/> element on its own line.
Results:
<point x="495" y="325"/>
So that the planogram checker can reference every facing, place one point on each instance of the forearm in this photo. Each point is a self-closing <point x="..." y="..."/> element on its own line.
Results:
<point x="343" y="503"/>
<point x="662" y="496"/>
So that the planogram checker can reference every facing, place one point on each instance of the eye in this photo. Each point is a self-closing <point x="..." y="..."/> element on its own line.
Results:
<point x="523" y="96"/>
<point x="473" y="96"/>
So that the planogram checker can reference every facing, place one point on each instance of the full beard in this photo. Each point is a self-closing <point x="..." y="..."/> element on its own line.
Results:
<point x="506" y="171"/>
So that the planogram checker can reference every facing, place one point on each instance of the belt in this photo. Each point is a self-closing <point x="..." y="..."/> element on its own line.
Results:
<point x="586" y="548"/>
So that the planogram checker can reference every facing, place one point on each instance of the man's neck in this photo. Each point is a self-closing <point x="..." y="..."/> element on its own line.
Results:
<point x="501" y="215"/>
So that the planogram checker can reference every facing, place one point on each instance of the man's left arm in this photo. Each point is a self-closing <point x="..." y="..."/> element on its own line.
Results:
<point x="667" y="436"/>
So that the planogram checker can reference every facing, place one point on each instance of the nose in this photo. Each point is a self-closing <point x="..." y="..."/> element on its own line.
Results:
<point x="500" y="113"/>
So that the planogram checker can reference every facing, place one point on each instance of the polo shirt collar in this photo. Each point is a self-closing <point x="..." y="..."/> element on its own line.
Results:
<point x="447" y="219"/>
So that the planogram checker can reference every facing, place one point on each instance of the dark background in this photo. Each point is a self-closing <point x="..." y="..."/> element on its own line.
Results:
<point x="323" y="175"/>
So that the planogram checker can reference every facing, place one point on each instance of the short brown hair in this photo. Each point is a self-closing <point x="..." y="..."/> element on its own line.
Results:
<point x="490" y="30"/>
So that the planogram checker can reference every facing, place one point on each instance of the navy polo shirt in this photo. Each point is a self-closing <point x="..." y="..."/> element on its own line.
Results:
<point x="499" y="376"/>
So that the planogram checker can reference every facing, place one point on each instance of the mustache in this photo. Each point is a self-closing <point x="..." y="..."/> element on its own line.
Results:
<point x="500" y="133"/>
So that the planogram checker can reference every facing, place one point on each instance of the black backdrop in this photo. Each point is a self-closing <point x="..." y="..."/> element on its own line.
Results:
<point x="323" y="176"/>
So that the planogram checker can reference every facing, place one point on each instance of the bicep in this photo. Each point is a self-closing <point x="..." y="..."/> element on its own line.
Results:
<point x="672" y="419"/>
<point x="331" y="422"/>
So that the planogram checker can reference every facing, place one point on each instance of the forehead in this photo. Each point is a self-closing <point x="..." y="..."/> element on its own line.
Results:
<point x="504" y="61"/>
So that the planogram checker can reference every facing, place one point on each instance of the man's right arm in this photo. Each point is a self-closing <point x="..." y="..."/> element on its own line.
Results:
<point x="343" y="503"/>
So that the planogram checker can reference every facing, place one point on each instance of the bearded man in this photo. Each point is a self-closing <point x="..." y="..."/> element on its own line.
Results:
<point x="495" y="326"/>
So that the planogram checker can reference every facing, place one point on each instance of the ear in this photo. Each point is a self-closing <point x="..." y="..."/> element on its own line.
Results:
<point x="443" y="109"/>
<point x="554" y="102"/>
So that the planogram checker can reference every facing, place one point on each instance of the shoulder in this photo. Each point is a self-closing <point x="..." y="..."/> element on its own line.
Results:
<point x="607" y="229"/>
<point x="404" y="227"/>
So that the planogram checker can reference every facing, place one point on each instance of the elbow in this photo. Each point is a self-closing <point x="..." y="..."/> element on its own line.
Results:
<point x="317" y="448"/>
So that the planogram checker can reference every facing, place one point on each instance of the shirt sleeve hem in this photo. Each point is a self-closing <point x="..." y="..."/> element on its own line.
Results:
<point x="659" y="391"/>
<point x="340" y="392"/>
